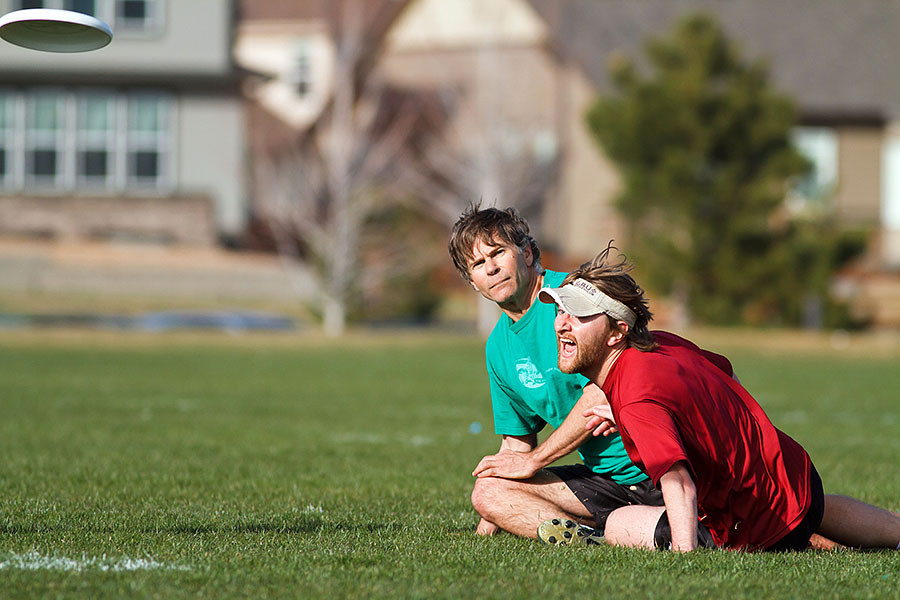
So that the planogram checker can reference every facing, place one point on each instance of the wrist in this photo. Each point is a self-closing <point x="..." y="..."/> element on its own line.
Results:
<point x="534" y="461"/>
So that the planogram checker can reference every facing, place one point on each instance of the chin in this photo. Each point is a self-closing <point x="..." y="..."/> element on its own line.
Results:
<point x="569" y="367"/>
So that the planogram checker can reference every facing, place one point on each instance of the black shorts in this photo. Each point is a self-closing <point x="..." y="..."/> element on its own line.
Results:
<point x="662" y="536"/>
<point x="601" y="495"/>
<point x="798" y="538"/>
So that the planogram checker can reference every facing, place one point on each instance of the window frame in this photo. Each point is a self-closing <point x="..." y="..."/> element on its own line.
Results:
<point x="109" y="12"/>
<point x="72" y="138"/>
<point x="820" y="145"/>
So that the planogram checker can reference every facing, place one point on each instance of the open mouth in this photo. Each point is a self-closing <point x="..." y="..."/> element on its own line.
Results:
<point x="567" y="347"/>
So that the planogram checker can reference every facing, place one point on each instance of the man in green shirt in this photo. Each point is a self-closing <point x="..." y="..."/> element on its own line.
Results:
<point x="492" y="249"/>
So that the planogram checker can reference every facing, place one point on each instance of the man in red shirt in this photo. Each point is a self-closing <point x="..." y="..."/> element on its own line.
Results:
<point x="725" y="471"/>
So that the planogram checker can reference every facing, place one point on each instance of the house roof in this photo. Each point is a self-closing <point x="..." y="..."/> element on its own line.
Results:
<point x="837" y="59"/>
<point x="378" y="15"/>
<point x="375" y="18"/>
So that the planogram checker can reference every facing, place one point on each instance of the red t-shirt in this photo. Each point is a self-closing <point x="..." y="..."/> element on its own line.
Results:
<point x="681" y="403"/>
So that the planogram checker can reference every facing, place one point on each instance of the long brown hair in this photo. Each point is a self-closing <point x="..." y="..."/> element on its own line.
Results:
<point x="612" y="277"/>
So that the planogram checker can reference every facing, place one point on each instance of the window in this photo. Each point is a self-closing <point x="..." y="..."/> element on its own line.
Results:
<point x="95" y="141"/>
<point x="820" y="146"/>
<point x="87" y="7"/>
<point x="138" y="15"/>
<point x="890" y="204"/>
<point x="147" y="140"/>
<point x="44" y="139"/>
<point x="89" y="141"/>
<point x="129" y="16"/>
<point x="83" y="6"/>
<point x="7" y="136"/>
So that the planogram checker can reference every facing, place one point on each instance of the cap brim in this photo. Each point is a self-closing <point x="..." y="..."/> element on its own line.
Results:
<point x="571" y="299"/>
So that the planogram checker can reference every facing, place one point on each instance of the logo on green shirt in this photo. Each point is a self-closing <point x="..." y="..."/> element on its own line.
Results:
<point x="529" y="376"/>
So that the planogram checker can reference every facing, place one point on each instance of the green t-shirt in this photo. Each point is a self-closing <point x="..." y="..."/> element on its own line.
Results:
<point x="528" y="391"/>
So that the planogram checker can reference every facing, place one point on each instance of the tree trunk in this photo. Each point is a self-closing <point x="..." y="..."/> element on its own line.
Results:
<point x="334" y="317"/>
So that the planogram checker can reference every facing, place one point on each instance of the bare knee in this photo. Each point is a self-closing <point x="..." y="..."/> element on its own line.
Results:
<point x="486" y="494"/>
<point x="633" y="526"/>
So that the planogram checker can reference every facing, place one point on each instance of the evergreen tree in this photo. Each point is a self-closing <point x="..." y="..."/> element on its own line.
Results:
<point x="702" y="142"/>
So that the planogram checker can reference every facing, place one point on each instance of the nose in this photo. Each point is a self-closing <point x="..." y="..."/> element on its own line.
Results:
<point x="561" y="323"/>
<point x="491" y="266"/>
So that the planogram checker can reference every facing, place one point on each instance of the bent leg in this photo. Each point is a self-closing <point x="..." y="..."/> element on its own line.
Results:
<point x="854" y="523"/>
<point x="633" y="526"/>
<point x="519" y="506"/>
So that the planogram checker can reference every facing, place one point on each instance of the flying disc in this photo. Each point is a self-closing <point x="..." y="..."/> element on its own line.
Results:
<point x="53" y="30"/>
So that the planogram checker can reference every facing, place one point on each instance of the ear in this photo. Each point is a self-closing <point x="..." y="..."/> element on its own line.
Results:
<point x="528" y="254"/>
<point x="618" y="334"/>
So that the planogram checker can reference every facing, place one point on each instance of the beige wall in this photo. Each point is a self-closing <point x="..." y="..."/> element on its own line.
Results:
<point x="503" y="115"/>
<point x="858" y="195"/>
<point x="584" y="219"/>
<point x="211" y="156"/>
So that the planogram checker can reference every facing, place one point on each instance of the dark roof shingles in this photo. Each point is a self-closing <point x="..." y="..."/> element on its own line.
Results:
<point x="833" y="56"/>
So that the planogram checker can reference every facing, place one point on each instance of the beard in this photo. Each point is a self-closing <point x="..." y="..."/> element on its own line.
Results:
<point x="588" y="353"/>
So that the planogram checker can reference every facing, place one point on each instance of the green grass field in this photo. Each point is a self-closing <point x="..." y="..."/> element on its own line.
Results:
<point x="215" y="467"/>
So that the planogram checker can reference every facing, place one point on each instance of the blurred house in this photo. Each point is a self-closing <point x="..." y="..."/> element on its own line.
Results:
<point x="122" y="170"/>
<point x="142" y="140"/>
<point x="518" y="76"/>
<point x="154" y="137"/>
<point x="480" y="70"/>
<point x="838" y="61"/>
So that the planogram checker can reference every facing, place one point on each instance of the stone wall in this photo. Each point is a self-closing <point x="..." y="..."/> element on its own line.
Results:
<point x="184" y="220"/>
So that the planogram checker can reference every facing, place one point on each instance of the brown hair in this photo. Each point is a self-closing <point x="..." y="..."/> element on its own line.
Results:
<point x="614" y="280"/>
<point x="490" y="225"/>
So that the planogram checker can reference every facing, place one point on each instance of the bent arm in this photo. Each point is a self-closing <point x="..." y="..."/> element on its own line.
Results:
<point x="680" y="497"/>
<point x="572" y="432"/>
<point x="522" y="464"/>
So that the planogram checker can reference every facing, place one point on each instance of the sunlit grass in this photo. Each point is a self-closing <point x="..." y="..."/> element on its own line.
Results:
<point x="189" y="465"/>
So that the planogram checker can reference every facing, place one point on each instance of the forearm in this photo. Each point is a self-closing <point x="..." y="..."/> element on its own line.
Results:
<point x="518" y="460"/>
<point x="565" y="439"/>
<point x="680" y="497"/>
<point x="571" y="433"/>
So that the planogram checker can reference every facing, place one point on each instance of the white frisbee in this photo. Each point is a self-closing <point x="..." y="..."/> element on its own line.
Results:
<point x="54" y="30"/>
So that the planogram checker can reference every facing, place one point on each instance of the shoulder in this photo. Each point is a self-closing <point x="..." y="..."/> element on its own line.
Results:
<point x="638" y="376"/>
<point x="678" y="346"/>
<point x="553" y="278"/>
<point x="497" y="340"/>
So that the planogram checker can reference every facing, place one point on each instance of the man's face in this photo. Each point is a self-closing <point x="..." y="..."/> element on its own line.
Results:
<point x="500" y="272"/>
<point x="583" y="342"/>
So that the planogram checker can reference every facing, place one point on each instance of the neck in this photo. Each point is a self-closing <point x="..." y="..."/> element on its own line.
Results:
<point x="599" y="376"/>
<point x="516" y="308"/>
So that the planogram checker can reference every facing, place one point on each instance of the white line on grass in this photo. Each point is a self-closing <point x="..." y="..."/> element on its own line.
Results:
<point x="33" y="561"/>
